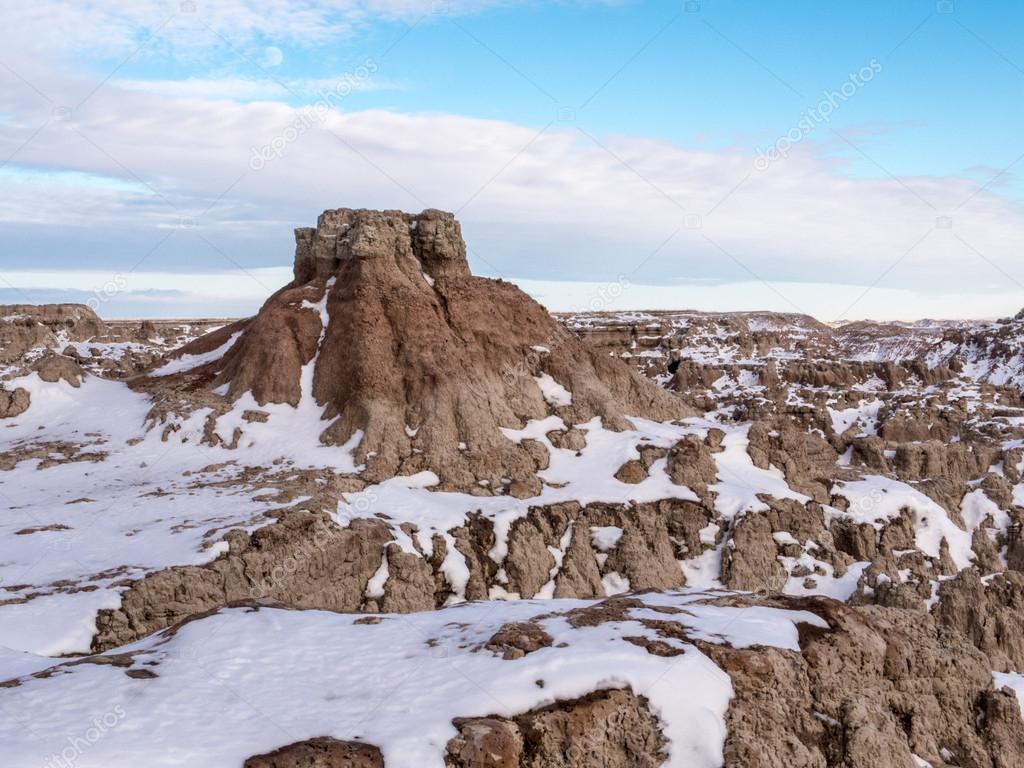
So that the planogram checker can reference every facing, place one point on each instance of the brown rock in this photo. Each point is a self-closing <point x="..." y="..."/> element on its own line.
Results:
<point x="322" y="752"/>
<point x="486" y="743"/>
<point x="516" y="640"/>
<point x="13" y="402"/>
<point x="410" y="585"/>
<point x="612" y="729"/>
<point x="305" y="561"/>
<point x="690" y="463"/>
<point x="990" y="616"/>
<point x="751" y="561"/>
<point x="414" y="342"/>
<point x="880" y="685"/>
<point x="27" y="326"/>
<point x="632" y="472"/>
<point x="52" y="368"/>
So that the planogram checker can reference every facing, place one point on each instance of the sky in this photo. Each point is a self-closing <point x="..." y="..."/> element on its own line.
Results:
<point x="842" y="159"/>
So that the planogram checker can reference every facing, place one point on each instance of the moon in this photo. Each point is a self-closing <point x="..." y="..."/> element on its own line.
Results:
<point x="273" y="56"/>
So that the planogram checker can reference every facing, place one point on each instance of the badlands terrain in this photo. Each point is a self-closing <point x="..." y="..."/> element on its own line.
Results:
<point x="405" y="517"/>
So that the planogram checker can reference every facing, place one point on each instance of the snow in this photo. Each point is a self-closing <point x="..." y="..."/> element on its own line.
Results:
<point x="1013" y="681"/>
<point x="289" y="432"/>
<point x="877" y="499"/>
<point x="615" y="583"/>
<point x="53" y="624"/>
<point x="589" y="476"/>
<point x="247" y="681"/>
<point x="828" y="584"/>
<point x="709" y="533"/>
<point x="747" y="627"/>
<point x="605" y="538"/>
<point x="865" y="415"/>
<point x="976" y="508"/>
<point x="375" y="586"/>
<point x="740" y="482"/>
<point x="554" y="393"/>
<point x="95" y="524"/>
<point x="15" y="664"/>
<point x="189" y="362"/>
<point x="704" y="571"/>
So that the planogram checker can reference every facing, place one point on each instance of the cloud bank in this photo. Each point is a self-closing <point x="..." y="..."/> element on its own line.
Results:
<point x="131" y="174"/>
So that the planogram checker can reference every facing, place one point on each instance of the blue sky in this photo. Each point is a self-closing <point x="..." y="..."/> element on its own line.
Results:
<point x="584" y="143"/>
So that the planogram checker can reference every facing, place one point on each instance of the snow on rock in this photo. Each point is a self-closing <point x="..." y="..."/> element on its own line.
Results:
<point x="864" y="415"/>
<point x="124" y="504"/>
<point x="585" y="476"/>
<point x="188" y="362"/>
<point x="606" y="537"/>
<point x="876" y="499"/>
<point x="1013" y="681"/>
<point x="836" y="587"/>
<point x="554" y="393"/>
<point x="615" y="583"/>
<point x="740" y="482"/>
<point x="292" y="432"/>
<point x="247" y="681"/>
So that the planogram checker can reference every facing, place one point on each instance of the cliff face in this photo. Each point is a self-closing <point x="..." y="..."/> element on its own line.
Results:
<point x="431" y="241"/>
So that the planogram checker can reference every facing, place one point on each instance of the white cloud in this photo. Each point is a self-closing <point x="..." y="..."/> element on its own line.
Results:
<point x="561" y="203"/>
<point x="252" y="89"/>
<point x="185" y="27"/>
<point x="554" y="202"/>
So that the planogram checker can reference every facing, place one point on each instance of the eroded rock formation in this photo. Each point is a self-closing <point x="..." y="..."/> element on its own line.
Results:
<point x="416" y="360"/>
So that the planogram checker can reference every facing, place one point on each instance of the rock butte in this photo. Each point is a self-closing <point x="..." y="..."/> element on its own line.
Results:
<point x="418" y="356"/>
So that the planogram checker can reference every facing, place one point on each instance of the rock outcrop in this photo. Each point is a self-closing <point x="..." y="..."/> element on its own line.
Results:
<point x="24" y="327"/>
<point x="323" y="752"/>
<point x="305" y="561"/>
<point x="13" y="402"/>
<point x="882" y="686"/>
<point x="881" y="464"/>
<point x="414" y="359"/>
<point x="614" y="729"/>
<point x="868" y="687"/>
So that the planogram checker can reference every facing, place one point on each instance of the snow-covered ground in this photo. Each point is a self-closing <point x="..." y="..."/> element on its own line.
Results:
<point x="75" y="530"/>
<point x="247" y="681"/>
<point x="126" y="504"/>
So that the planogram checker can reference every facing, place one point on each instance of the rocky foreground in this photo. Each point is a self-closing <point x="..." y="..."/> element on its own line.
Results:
<point x="405" y="517"/>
